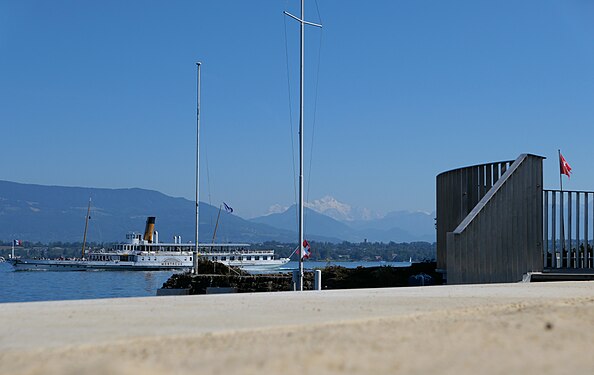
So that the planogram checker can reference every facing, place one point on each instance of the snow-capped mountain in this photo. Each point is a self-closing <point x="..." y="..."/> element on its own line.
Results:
<point x="333" y="208"/>
<point x="360" y="224"/>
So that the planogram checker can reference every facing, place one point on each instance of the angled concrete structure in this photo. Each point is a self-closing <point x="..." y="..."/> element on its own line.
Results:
<point x="490" y="221"/>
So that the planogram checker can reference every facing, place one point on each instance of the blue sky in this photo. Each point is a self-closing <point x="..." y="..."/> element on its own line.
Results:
<point x="102" y="94"/>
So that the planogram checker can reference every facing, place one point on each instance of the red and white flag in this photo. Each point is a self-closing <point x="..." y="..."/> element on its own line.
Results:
<point x="564" y="166"/>
<point x="305" y="250"/>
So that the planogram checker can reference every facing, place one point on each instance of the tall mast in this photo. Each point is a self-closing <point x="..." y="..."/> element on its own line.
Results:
<point x="86" y="227"/>
<point x="195" y="253"/>
<point x="302" y="23"/>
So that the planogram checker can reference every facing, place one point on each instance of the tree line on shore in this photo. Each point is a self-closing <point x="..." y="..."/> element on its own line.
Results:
<point x="361" y="251"/>
<point x="320" y="251"/>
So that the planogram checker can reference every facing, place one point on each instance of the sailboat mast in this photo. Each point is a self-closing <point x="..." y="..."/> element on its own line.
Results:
<point x="302" y="23"/>
<point x="301" y="92"/>
<point x="195" y="253"/>
<point x="86" y="228"/>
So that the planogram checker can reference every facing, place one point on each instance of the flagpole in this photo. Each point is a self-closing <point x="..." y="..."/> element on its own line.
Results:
<point x="561" y="209"/>
<point x="560" y="171"/>
<point x="12" y="253"/>
<point x="195" y="252"/>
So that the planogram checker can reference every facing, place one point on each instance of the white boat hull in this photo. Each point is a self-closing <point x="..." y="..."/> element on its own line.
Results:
<point x="273" y="264"/>
<point x="46" y="265"/>
<point x="168" y="264"/>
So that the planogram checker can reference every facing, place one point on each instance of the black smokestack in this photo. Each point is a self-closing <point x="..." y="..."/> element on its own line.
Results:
<point x="149" y="229"/>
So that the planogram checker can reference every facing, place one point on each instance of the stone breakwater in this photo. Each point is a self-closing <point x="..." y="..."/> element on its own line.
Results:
<point x="333" y="277"/>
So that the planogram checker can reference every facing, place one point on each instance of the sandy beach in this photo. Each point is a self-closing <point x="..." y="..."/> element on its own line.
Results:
<point x="488" y="329"/>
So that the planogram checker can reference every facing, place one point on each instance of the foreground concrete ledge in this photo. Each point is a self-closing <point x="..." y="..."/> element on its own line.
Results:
<point x="56" y="323"/>
<point x="373" y="330"/>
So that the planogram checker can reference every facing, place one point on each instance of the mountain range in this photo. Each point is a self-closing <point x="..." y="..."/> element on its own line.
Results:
<point x="397" y="226"/>
<point x="55" y="213"/>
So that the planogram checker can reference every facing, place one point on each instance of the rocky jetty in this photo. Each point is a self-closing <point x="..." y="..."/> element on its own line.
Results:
<point x="335" y="277"/>
<point x="216" y="276"/>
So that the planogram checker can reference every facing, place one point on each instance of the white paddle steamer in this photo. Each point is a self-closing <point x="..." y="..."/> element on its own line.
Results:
<point x="145" y="253"/>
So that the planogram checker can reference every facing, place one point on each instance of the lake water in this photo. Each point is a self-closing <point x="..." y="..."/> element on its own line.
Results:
<point x="28" y="286"/>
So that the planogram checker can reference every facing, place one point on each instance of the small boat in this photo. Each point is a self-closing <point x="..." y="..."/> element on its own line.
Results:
<point x="144" y="252"/>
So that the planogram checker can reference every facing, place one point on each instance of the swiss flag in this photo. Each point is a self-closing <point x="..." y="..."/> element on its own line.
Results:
<point x="564" y="166"/>
<point x="306" y="250"/>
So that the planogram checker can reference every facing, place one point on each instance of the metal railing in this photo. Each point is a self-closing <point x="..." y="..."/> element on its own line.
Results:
<point x="568" y="229"/>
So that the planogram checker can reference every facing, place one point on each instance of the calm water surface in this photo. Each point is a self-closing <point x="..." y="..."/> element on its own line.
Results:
<point x="28" y="286"/>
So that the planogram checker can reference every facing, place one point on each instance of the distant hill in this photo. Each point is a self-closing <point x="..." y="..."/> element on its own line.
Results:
<point x="55" y="213"/>
<point x="316" y="226"/>
<point x="398" y="226"/>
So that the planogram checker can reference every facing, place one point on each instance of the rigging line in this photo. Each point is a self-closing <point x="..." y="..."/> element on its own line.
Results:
<point x="315" y="108"/>
<point x="319" y="16"/>
<point x="291" y="118"/>
<point x="96" y="225"/>
<point x="208" y="179"/>
<point x="95" y="228"/>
